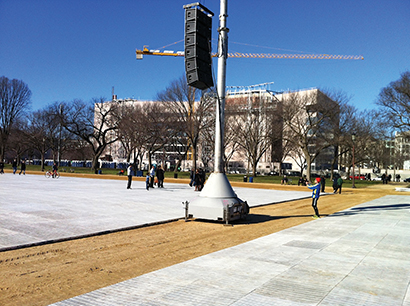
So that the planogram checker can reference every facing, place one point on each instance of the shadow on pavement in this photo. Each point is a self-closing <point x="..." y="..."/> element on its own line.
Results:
<point x="378" y="208"/>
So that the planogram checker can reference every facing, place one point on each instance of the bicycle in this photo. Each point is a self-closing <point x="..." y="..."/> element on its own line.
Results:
<point x="51" y="174"/>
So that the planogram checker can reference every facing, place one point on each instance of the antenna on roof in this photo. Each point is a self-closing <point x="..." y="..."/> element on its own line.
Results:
<point x="114" y="97"/>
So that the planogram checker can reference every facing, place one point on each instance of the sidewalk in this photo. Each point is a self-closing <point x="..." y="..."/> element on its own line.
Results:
<point x="36" y="210"/>
<point x="360" y="256"/>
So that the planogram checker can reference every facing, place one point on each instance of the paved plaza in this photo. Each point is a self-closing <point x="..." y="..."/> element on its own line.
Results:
<point x="34" y="209"/>
<point x="359" y="256"/>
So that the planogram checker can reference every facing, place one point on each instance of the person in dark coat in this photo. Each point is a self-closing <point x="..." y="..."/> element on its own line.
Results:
<point x="335" y="185"/>
<point x="339" y="184"/>
<point x="14" y="166"/>
<point x="22" y="167"/>
<point x="130" y="173"/>
<point x="160" y="177"/>
<point x="191" y="176"/>
<point x="322" y="182"/>
<point x="197" y="180"/>
<point x="202" y="178"/>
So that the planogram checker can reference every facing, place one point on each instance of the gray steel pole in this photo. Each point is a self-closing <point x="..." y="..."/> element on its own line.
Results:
<point x="218" y="199"/>
<point x="220" y="104"/>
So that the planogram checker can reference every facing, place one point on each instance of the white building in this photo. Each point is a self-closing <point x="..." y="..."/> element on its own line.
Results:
<point x="261" y="105"/>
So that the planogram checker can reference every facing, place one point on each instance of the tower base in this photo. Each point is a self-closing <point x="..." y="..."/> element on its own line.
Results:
<point x="218" y="201"/>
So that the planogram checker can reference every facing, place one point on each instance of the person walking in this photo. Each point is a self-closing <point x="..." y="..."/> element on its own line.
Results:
<point x="335" y="187"/>
<point x="339" y="184"/>
<point x="191" y="177"/>
<point x="160" y="177"/>
<point x="315" y="196"/>
<point x="129" y="174"/>
<point x="322" y="183"/>
<point x="14" y="166"/>
<point x="201" y="174"/>
<point x="197" y="180"/>
<point x="147" y="179"/>
<point x="1" y="167"/>
<point x="22" y="167"/>
<point x="152" y="176"/>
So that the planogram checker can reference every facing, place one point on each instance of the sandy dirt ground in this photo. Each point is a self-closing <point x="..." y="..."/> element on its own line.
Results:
<point x="49" y="273"/>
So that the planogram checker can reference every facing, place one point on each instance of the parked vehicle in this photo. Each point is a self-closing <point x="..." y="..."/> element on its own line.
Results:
<point x="293" y="173"/>
<point x="358" y="177"/>
<point x="407" y="180"/>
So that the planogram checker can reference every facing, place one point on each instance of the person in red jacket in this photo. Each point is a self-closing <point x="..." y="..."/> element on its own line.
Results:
<point x="315" y="196"/>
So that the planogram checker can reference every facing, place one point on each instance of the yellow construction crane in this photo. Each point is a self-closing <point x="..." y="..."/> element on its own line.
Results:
<point x="146" y="51"/>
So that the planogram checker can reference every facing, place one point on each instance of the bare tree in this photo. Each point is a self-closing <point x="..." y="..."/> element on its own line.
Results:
<point x="37" y="133"/>
<point x="45" y="132"/>
<point x="17" y="141"/>
<point x="254" y="118"/>
<point x="131" y="129"/>
<point x="308" y="119"/>
<point x="158" y="123"/>
<point x="394" y="101"/>
<point x="14" y="101"/>
<point x="191" y="109"/>
<point x="343" y="127"/>
<point x="96" y="123"/>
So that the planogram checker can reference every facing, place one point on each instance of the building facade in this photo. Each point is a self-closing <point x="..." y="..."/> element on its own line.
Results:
<point x="255" y="135"/>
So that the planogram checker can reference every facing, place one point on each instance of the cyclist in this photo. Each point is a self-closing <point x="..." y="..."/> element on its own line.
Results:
<point x="55" y="168"/>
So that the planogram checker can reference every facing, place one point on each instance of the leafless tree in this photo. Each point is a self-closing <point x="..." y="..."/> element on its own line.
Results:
<point x="45" y="132"/>
<point x="232" y="129"/>
<point x="308" y="119"/>
<point x="157" y="129"/>
<point x="342" y="127"/>
<point x="96" y="123"/>
<point x="254" y="118"/>
<point x="14" y="101"/>
<point x="191" y="109"/>
<point x="394" y="101"/>
<point x="18" y="142"/>
<point x="37" y="134"/>
<point x="131" y="131"/>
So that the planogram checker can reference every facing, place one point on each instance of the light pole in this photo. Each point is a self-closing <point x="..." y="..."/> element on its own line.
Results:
<point x="353" y="140"/>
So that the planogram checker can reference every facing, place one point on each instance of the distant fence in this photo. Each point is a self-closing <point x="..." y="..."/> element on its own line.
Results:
<point x="81" y="163"/>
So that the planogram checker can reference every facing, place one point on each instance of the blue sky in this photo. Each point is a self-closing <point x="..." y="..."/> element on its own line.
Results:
<point x="80" y="49"/>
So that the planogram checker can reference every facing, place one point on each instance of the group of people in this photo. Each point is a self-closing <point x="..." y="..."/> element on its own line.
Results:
<point x="387" y="178"/>
<point x="154" y="177"/>
<point x="14" y="166"/>
<point x="337" y="184"/>
<point x="197" y="179"/>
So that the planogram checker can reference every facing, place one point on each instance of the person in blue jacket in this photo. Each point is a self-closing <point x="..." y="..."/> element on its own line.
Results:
<point x="315" y="196"/>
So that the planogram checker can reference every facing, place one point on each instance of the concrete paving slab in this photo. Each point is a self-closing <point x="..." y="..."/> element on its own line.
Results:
<point x="360" y="256"/>
<point x="35" y="209"/>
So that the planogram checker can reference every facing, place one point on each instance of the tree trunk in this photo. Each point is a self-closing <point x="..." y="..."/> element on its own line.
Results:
<point x="308" y="166"/>
<point x="42" y="161"/>
<point x="94" y="166"/>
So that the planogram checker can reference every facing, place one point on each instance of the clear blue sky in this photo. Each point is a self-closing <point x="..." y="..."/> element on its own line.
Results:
<point x="80" y="49"/>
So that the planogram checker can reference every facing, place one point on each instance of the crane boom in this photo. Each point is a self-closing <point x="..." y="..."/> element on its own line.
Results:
<point x="145" y="51"/>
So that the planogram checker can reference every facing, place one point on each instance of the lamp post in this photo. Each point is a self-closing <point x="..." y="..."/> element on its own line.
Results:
<point x="353" y="140"/>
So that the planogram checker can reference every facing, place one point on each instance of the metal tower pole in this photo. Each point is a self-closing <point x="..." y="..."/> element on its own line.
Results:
<point x="218" y="200"/>
<point x="221" y="90"/>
